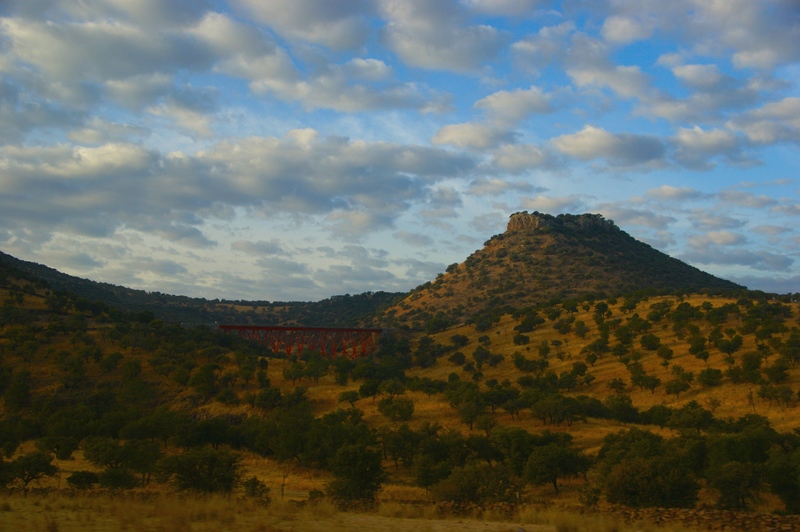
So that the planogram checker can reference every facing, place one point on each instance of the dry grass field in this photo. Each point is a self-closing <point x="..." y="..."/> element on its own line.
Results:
<point x="174" y="513"/>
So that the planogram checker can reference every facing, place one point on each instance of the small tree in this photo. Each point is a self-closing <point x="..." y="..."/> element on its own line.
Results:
<point x="553" y="461"/>
<point x="33" y="466"/>
<point x="350" y="396"/>
<point x="358" y="473"/>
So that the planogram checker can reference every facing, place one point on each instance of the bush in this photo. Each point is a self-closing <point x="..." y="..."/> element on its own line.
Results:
<point x="83" y="480"/>
<point x="255" y="488"/>
<point x="117" y="479"/>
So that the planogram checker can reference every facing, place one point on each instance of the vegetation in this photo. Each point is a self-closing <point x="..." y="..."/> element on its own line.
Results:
<point x="622" y="409"/>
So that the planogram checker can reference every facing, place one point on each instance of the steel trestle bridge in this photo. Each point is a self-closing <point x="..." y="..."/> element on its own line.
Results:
<point x="330" y="341"/>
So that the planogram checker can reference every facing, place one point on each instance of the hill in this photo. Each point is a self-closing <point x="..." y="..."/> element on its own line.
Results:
<point x="541" y="258"/>
<point x="337" y="311"/>
<point x="691" y="398"/>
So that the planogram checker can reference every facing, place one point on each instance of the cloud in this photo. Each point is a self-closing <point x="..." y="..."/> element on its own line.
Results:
<point x="705" y="220"/>
<point x="523" y="157"/>
<point x="554" y="205"/>
<point x="538" y="50"/>
<point x="758" y="260"/>
<point x="258" y="248"/>
<point x="443" y="202"/>
<point x="625" y="216"/>
<point x="624" y="30"/>
<point x="433" y="35"/>
<point x="514" y="8"/>
<point x="337" y="24"/>
<point x="771" y="123"/>
<point x="619" y="150"/>
<point x="771" y="284"/>
<point x="771" y="230"/>
<point x="588" y="65"/>
<point x="361" y="186"/>
<point x="670" y="193"/>
<point x="496" y="187"/>
<point x="699" y="76"/>
<point x="745" y="199"/>
<point x="719" y="238"/>
<point x="695" y="147"/>
<point x="414" y="239"/>
<point x="472" y="135"/>
<point x="510" y="107"/>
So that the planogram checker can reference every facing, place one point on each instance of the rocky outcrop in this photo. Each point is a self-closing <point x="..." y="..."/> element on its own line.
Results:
<point x="536" y="221"/>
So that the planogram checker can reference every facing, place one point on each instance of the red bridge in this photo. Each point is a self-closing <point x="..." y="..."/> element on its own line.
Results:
<point x="330" y="341"/>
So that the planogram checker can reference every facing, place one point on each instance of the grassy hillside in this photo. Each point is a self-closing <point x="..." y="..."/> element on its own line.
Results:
<point x="542" y="258"/>
<point x="72" y="373"/>
<point x="337" y="311"/>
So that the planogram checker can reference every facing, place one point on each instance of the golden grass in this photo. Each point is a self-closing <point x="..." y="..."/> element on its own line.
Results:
<point x="60" y="512"/>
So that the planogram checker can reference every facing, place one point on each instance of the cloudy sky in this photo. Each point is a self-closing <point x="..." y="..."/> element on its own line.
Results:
<point x="298" y="149"/>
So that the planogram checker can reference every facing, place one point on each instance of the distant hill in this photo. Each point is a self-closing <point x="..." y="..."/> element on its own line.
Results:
<point x="541" y="258"/>
<point x="337" y="311"/>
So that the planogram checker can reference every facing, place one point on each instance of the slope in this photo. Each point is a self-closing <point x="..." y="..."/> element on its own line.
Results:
<point x="542" y="258"/>
<point x="337" y="311"/>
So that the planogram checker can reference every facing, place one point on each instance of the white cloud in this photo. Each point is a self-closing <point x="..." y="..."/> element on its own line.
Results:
<point x="510" y="107"/>
<point x="554" y="205"/>
<point x="588" y="65"/>
<point x="699" y="76"/>
<point x="522" y="157"/>
<point x="515" y="8"/>
<point x="538" y="50"/>
<point x="472" y="135"/>
<point x="746" y="199"/>
<point x="719" y="238"/>
<point x="433" y="35"/>
<point x="670" y="193"/>
<point x="773" y="122"/>
<point x="695" y="147"/>
<point x="621" y="150"/>
<point x="625" y="216"/>
<point x="704" y="220"/>
<point x="258" y="248"/>
<point x="496" y="186"/>
<point x="338" y="24"/>
<point x="624" y="30"/>
<point x="758" y="260"/>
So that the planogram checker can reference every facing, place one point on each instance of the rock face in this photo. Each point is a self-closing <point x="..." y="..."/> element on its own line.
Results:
<point x="522" y="221"/>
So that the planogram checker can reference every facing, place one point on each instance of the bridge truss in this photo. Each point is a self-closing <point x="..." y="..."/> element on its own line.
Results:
<point x="330" y="341"/>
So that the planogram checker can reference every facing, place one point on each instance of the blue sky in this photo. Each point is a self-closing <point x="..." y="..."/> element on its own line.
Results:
<point x="298" y="149"/>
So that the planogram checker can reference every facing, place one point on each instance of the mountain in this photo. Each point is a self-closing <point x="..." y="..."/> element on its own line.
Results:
<point x="337" y="311"/>
<point x="541" y="258"/>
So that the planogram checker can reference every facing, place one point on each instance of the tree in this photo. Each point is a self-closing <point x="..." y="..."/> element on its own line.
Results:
<point x="710" y="377"/>
<point x="33" y="466"/>
<point x="651" y="342"/>
<point x="397" y="409"/>
<point x="350" y="396"/>
<point x="553" y="461"/>
<point x="205" y="469"/>
<point x="358" y="473"/>
<point x="739" y="484"/>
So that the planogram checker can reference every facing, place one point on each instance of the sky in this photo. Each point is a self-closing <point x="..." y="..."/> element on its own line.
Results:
<point x="292" y="150"/>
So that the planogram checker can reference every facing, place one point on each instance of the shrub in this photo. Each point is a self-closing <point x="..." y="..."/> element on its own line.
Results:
<point x="83" y="480"/>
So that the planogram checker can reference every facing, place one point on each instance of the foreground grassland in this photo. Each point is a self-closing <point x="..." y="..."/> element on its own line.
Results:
<point x="100" y="513"/>
<point x="74" y="373"/>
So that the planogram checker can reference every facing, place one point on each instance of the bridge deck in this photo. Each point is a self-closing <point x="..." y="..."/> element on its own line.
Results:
<point x="330" y="341"/>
